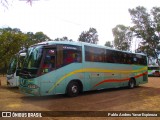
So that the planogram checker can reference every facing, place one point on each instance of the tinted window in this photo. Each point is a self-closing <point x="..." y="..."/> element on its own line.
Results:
<point x="139" y="59"/>
<point x="71" y="54"/>
<point x="113" y="56"/>
<point x="49" y="62"/>
<point x="94" y="54"/>
<point x="63" y="55"/>
<point x="68" y="54"/>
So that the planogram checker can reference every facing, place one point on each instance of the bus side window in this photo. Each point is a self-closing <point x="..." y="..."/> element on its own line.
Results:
<point x="77" y="58"/>
<point x="134" y="60"/>
<point x="45" y="64"/>
<point x="52" y="63"/>
<point x="69" y="58"/>
<point x="71" y="54"/>
<point x="49" y="61"/>
<point x="107" y="56"/>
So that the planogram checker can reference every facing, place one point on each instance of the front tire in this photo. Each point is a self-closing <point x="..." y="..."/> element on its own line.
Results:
<point x="131" y="83"/>
<point x="73" y="89"/>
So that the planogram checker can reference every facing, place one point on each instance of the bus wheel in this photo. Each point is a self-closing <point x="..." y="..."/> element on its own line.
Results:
<point x="131" y="83"/>
<point x="73" y="89"/>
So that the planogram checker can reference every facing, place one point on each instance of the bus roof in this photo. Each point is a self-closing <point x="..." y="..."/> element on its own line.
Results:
<point x="79" y="43"/>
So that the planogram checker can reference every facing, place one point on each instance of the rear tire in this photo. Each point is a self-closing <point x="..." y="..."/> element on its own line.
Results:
<point x="131" y="83"/>
<point x="73" y="89"/>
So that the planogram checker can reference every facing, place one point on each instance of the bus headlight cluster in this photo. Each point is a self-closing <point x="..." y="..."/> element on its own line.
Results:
<point x="33" y="86"/>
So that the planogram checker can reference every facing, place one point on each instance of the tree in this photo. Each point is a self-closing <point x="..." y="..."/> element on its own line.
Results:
<point x="40" y="37"/>
<point x="108" y="44"/>
<point x="90" y="36"/>
<point x="31" y="38"/>
<point x="14" y="40"/>
<point x="147" y="28"/>
<point x="63" y="39"/>
<point x="122" y="37"/>
<point x="10" y="43"/>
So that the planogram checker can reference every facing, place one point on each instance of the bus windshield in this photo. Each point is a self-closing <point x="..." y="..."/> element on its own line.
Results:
<point x="12" y="65"/>
<point x="33" y="58"/>
<point x="20" y="61"/>
<point x="31" y="62"/>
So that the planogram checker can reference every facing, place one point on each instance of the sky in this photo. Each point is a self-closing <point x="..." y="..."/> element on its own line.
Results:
<point x="59" y="18"/>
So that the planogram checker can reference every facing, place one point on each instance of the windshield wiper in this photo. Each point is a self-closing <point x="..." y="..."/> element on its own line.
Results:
<point x="26" y="73"/>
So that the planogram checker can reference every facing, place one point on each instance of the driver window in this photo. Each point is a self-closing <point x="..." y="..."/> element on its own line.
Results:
<point x="49" y="61"/>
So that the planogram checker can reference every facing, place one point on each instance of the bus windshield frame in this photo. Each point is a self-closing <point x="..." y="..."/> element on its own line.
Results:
<point x="39" y="59"/>
<point x="32" y="62"/>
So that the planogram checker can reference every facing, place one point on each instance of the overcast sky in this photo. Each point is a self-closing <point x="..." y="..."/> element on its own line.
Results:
<point x="58" y="18"/>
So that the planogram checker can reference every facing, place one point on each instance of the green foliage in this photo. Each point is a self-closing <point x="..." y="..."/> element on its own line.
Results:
<point x="90" y="36"/>
<point x="10" y="43"/>
<point x="40" y="37"/>
<point x="63" y="39"/>
<point x="108" y="44"/>
<point x="14" y="40"/>
<point x="147" y="28"/>
<point x="122" y="37"/>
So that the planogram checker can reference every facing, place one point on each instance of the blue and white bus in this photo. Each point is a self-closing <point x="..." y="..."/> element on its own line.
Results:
<point x="154" y="71"/>
<point x="59" y="67"/>
<point x="15" y="63"/>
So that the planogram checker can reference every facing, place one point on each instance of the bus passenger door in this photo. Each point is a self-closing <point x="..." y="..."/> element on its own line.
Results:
<point x="48" y="70"/>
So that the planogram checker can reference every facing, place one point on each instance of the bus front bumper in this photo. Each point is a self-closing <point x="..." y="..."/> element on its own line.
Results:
<point x="11" y="84"/>
<point x="29" y="92"/>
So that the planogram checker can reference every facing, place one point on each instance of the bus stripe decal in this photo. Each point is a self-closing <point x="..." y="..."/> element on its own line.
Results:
<point x="94" y="70"/>
<point x="116" y="80"/>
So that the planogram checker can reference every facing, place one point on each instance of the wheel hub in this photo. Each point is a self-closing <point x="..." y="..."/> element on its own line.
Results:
<point x="74" y="89"/>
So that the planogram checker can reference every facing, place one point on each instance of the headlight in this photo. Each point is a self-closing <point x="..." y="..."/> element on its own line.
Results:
<point x="33" y="86"/>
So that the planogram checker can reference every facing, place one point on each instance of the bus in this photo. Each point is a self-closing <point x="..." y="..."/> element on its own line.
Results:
<point x="15" y="64"/>
<point x="61" y="67"/>
<point x="154" y="71"/>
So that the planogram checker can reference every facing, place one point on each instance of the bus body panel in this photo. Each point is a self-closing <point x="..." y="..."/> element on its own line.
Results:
<point x="154" y="71"/>
<point x="15" y="62"/>
<point x="56" y="82"/>
<point x="92" y="75"/>
<point x="29" y="91"/>
<point x="12" y="80"/>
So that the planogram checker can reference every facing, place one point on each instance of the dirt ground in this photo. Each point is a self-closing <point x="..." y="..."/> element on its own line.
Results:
<point x="143" y="98"/>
